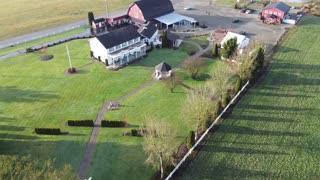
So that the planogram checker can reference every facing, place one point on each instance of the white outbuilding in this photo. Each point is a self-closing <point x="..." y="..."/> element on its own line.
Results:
<point x="242" y="40"/>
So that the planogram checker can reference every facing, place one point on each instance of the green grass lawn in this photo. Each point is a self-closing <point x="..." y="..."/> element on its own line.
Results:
<point x="273" y="132"/>
<point x="122" y="157"/>
<point x="24" y="46"/>
<point x="212" y="65"/>
<point x="156" y="56"/>
<point x="189" y="48"/>
<point x="25" y="16"/>
<point x="201" y="40"/>
<point x="36" y="93"/>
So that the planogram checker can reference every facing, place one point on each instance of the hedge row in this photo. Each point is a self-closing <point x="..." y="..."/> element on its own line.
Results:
<point x="105" y="123"/>
<point x="87" y="123"/>
<point x="29" y="50"/>
<point x="137" y="132"/>
<point x="50" y="131"/>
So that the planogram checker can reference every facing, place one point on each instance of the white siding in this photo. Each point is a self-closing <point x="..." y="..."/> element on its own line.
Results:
<point x="98" y="49"/>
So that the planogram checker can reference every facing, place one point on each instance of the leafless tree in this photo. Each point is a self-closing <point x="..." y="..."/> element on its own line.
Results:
<point x="159" y="144"/>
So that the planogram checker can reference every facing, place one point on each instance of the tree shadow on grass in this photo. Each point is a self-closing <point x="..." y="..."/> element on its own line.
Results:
<point x="11" y="128"/>
<point x="249" y="151"/>
<point x="261" y="118"/>
<point x="203" y="77"/>
<point x="233" y="129"/>
<point x="276" y="94"/>
<point x="17" y="136"/>
<point x="13" y="94"/>
<point x="275" y="108"/>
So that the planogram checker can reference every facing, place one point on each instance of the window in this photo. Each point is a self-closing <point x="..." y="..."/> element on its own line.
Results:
<point x="136" y="40"/>
<point x="130" y="42"/>
<point x="123" y="44"/>
<point x="118" y="46"/>
<point x="111" y="49"/>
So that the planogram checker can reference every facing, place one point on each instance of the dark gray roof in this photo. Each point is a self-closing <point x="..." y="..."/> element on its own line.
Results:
<point x="99" y="20"/>
<point x="171" y="36"/>
<point x="149" y="30"/>
<point x="154" y="8"/>
<point x="118" y="36"/>
<point x="163" y="67"/>
<point x="279" y="5"/>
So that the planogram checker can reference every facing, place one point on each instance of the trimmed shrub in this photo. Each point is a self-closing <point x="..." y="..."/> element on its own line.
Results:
<point x="225" y="99"/>
<point x="29" y="50"/>
<point x="237" y="86"/>
<point x="105" y="123"/>
<point x="49" y="131"/>
<point x="190" y="140"/>
<point x="217" y="110"/>
<point x="86" y="123"/>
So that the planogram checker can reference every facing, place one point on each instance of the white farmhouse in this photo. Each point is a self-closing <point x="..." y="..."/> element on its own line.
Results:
<point x="118" y="47"/>
<point x="150" y="34"/>
<point x="242" y="41"/>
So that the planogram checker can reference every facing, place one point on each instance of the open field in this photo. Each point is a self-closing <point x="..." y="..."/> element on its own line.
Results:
<point x="25" y="16"/>
<point x="38" y="94"/>
<point x="24" y="46"/>
<point x="273" y="131"/>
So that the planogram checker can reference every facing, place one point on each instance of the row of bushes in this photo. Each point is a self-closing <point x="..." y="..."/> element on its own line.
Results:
<point x="30" y="50"/>
<point x="105" y="123"/>
<point x="49" y="131"/>
<point x="86" y="123"/>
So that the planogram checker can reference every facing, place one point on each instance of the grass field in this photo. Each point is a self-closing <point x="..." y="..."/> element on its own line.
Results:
<point x="273" y="132"/>
<point x="36" y="93"/>
<point x="25" y="16"/>
<point x="24" y="46"/>
<point x="201" y="40"/>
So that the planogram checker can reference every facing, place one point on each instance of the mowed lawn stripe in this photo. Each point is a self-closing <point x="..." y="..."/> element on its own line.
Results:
<point x="273" y="132"/>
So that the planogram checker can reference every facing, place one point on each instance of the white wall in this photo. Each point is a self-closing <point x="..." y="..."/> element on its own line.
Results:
<point x="98" y="49"/>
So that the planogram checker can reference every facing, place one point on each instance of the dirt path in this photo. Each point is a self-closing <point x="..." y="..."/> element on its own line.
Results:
<point x="84" y="166"/>
<point x="85" y="163"/>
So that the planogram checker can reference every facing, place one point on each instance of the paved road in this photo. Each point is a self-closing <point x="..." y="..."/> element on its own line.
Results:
<point x="44" y="33"/>
<point x="22" y="51"/>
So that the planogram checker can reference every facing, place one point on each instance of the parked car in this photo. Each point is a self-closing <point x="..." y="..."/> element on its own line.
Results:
<point x="187" y="8"/>
<point x="235" y="20"/>
<point x="242" y="33"/>
<point x="248" y="11"/>
<point x="243" y="10"/>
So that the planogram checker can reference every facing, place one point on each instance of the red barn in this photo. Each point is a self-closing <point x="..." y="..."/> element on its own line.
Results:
<point x="275" y="11"/>
<point x="146" y="10"/>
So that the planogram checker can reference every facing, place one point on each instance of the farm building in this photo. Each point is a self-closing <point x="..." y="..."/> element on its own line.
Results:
<point x="174" y="40"/>
<point x="163" y="70"/>
<point x="158" y="11"/>
<point x="242" y="41"/>
<point x="150" y="34"/>
<point x="99" y="25"/>
<point x="275" y="12"/>
<point x="118" y="47"/>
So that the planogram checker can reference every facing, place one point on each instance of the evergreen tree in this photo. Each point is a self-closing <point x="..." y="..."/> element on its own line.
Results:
<point x="164" y="39"/>
<point x="215" y="50"/>
<point x="229" y="48"/>
<point x="90" y="17"/>
<point x="190" y="140"/>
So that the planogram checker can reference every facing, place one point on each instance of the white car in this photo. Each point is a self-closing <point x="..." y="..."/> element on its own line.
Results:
<point x="187" y="8"/>
<point x="248" y="11"/>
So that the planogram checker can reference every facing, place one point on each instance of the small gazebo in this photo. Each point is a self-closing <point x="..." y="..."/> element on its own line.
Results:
<point x="163" y="70"/>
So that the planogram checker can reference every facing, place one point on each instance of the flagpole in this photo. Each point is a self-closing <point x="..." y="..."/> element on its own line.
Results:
<point x="69" y="57"/>
<point x="107" y="10"/>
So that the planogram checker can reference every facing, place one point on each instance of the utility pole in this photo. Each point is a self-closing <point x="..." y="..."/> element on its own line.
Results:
<point x="69" y="57"/>
<point x="107" y="9"/>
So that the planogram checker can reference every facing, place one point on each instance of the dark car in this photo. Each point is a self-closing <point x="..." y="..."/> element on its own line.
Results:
<point x="242" y="33"/>
<point x="243" y="10"/>
<point x="235" y="20"/>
